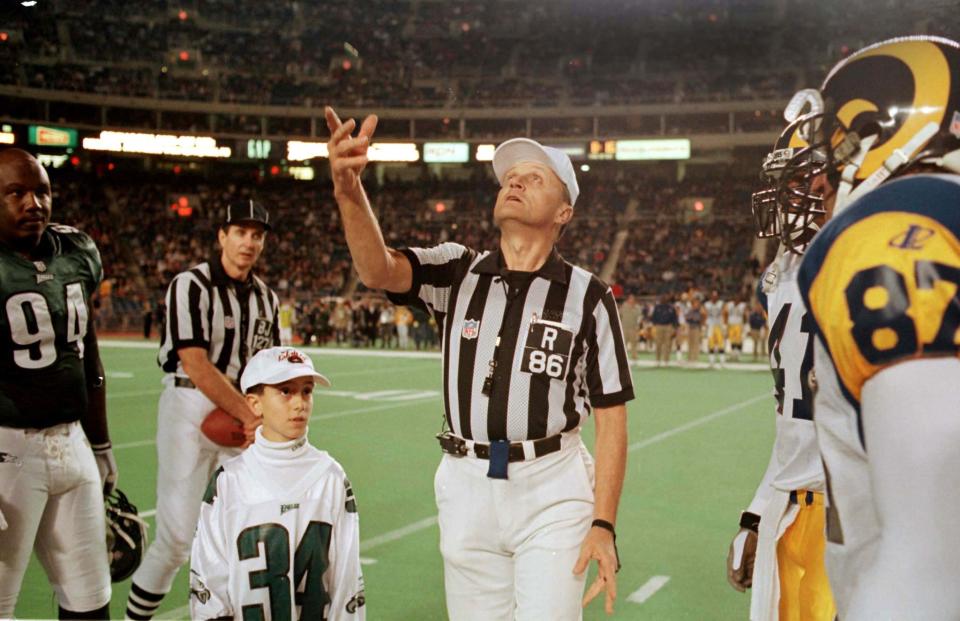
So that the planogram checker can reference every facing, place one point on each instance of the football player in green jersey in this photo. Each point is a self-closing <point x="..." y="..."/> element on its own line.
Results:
<point x="55" y="457"/>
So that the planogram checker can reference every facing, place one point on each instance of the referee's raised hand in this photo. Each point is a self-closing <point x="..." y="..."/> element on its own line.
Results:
<point x="348" y="155"/>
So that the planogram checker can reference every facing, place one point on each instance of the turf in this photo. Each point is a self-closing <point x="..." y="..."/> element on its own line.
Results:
<point x="699" y="442"/>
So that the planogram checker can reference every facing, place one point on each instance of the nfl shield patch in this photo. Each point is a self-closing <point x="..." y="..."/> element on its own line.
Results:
<point x="955" y="125"/>
<point x="471" y="329"/>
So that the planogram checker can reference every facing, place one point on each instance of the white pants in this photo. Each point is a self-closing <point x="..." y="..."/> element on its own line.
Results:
<point x="51" y="496"/>
<point x="509" y="546"/>
<point x="186" y="460"/>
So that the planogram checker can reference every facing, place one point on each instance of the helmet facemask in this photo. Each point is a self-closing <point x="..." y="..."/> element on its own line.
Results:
<point x="800" y="210"/>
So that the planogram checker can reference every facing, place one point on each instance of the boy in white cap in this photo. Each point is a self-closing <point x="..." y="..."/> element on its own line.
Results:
<point x="290" y="497"/>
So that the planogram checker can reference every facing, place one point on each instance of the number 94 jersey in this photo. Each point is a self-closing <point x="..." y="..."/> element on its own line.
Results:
<point x="44" y="317"/>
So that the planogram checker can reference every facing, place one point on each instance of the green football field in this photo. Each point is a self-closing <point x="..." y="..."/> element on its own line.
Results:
<point x="699" y="441"/>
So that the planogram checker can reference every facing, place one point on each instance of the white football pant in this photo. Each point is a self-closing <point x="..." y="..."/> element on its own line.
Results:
<point x="509" y="546"/>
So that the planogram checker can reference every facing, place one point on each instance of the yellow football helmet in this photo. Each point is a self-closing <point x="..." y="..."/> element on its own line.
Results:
<point x="886" y="108"/>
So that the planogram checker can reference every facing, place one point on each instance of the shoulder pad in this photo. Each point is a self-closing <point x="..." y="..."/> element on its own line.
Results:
<point x="70" y="239"/>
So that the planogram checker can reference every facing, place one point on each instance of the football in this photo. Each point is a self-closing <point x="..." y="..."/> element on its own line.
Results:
<point x="223" y="429"/>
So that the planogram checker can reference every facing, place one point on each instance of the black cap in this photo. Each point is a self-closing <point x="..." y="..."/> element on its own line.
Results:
<point x="247" y="211"/>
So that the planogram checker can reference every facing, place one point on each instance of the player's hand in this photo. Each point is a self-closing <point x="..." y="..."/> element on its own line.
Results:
<point x="348" y="155"/>
<point x="599" y="546"/>
<point x="107" y="466"/>
<point x="740" y="559"/>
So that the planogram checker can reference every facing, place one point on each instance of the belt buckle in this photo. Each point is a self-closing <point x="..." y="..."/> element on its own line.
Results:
<point x="451" y="444"/>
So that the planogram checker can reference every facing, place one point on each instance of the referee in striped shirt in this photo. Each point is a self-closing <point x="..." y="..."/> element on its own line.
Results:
<point x="531" y="345"/>
<point x="219" y="314"/>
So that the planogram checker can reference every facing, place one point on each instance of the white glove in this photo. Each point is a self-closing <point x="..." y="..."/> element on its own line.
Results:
<point x="106" y="465"/>
<point x="3" y="521"/>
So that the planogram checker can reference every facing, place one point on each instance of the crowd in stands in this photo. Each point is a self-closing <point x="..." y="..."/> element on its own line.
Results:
<point x="145" y="241"/>
<point x="407" y="53"/>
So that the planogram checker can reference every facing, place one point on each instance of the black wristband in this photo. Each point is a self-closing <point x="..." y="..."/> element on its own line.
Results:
<point x="606" y="526"/>
<point x="749" y="521"/>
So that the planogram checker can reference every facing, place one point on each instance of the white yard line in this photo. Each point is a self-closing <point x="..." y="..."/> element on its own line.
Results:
<point x="321" y="351"/>
<point x="138" y="443"/>
<point x="660" y="437"/>
<point x="648" y="589"/>
<point x="399" y="533"/>
<point x="331" y="415"/>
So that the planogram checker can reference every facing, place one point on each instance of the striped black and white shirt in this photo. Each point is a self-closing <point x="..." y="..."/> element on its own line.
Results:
<point x="560" y="349"/>
<point x="232" y="320"/>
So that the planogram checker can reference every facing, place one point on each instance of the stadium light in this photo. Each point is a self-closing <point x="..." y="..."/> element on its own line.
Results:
<point x="300" y="151"/>
<point x="485" y="152"/>
<point x="156" y="144"/>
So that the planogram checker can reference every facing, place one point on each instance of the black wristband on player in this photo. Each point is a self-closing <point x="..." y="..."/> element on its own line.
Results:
<point x="750" y="521"/>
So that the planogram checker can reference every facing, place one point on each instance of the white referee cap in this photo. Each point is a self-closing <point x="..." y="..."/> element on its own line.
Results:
<point x="516" y="150"/>
<point x="276" y="366"/>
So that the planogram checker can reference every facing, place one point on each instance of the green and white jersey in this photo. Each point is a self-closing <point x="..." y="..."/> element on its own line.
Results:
<point x="44" y="317"/>
<point x="278" y="538"/>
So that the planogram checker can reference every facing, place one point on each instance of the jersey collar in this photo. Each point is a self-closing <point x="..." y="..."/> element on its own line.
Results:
<point x="554" y="268"/>
<point x="219" y="276"/>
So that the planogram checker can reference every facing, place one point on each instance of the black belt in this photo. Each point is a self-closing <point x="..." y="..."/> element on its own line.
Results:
<point x="183" y="382"/>
<point x="186" y="382"/>
<point x="458" y="446"/>
<point x="795" y="499"/>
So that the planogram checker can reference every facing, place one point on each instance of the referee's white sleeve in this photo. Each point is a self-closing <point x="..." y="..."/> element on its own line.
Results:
<point x="188" y="310"/>
<point x="209" y="568"/>
<point x="435" y="271"/>
<point x="608" y="369"/>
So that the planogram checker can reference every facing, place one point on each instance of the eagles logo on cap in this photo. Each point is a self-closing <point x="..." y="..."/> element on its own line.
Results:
<point x="292" y="356"/>
<point x="277" y="365"/>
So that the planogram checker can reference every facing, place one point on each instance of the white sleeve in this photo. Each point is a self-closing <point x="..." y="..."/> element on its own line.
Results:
<point x="435" y="271"/>
<point x="912" y="431"/>
<point x="762" y="496"/>
<point x="344" y="579"/>
<point x="209" y="567"/>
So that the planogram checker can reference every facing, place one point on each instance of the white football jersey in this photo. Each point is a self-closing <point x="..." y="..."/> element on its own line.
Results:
<point x="278" y="538"/>
<point x="795" y="463"/>
<point x="736" y="311"/>
<point x="714" y="312"/>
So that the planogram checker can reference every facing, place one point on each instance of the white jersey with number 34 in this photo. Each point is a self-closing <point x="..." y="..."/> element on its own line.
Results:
<point x="278" y="547"/>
